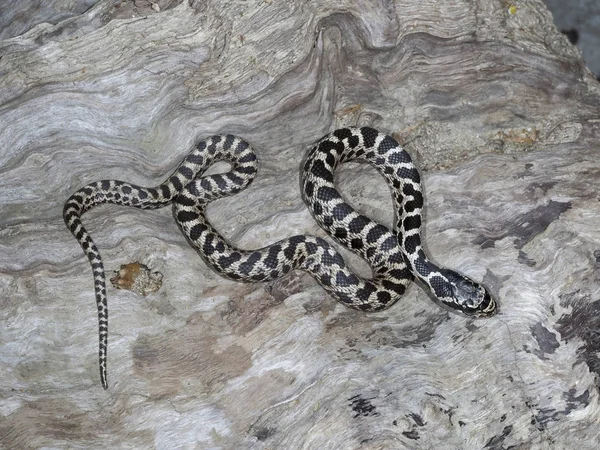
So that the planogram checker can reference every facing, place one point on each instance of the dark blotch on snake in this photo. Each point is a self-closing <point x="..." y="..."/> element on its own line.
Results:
<point x="317" y="209"/>
<point x="311" y="247"/>
<point x="326" y="193"/>
<point x="330" y="159"/>
<point x="208" y="248"/>
<point x="337" y="259"/>
<point x="235" y="180"/>
<point x="229" y="141"/>
<point x="410" y="174"/>
<point x="364" y="293"/>
<point x="411" y="205"/>
<point x="246" y="169"/>
<point x="290" y="250"/>
<point x="400" y="274"/>
<point x="384" y="297"/>
<point x="440" y="286"/>
<point x="343" y="133"/>
<point x="308" y="161"/>
<point x="391" y="286"/>
<point x="187" y="200"/>
<point x="369" y="136"/>
<point x="309" y="188"/>
<point x="187" y="216"/>
<point x="357" y="224"/>
<point x="356" y="243"/>
<point x="375" y="233"/>
<point x="389" y="244"/>
<point x="249" y="157"/>
<point x="221" y="183"/>
<point x="187" y="173"/>
<point x="411" y="222"/>
<point x="396" y="258"/>
<point x="205" y="183"/>
<point x="243" y="145"/>
<point x="371" y="251"/>
<point x="409" y="191"/>
<point x="195" y="158"/>
<point x="422" y="267"/>
<point x="386" y="145"/>
<point x="328" y="146"/>
<point x="271" y="260"/>
<point x="399" y="157"/>
<point x="411" y="243"/>
<point x="166" y="193"/>
<point x="342" y="280"/>
<point x="226" y="261"/>
<point x="340" y="233"/>
<point x="247" y="266"/>
<point x="319" y="170"/>
<point x="197" y="230"/>
<point x="341" y="210"/>
<point x="192" y="190"/>
<point x="176" y="182"/>
<point x="325" y="280"/>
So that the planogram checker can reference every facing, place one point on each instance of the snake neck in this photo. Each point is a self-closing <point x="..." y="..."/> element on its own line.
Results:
<point x="452" y="288"/>
<point x="431" y="275"/>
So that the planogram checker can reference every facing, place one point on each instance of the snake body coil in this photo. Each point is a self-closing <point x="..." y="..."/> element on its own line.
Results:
<point x="395" y="256"/>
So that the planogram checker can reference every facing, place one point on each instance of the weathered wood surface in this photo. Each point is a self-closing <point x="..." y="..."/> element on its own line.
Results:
<point x="490" y="100"/>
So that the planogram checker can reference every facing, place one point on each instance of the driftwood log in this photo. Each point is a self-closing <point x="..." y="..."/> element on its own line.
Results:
<point x="495" y="106"/>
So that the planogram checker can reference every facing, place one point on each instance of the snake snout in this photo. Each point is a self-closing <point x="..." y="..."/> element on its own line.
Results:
<point x="488" y="307"/>
<point x="472" y="298"/>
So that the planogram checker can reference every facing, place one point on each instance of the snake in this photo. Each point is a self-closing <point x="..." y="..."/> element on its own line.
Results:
<point x="396" y="256"/>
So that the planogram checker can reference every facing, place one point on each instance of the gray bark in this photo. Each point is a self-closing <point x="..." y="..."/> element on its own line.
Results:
<point x="494" y="105"/>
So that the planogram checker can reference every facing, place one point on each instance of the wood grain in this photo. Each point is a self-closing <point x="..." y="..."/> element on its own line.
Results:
<point x="492" y="102"/>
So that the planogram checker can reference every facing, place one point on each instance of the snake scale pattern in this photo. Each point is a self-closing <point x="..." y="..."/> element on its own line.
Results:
<point x="395" y="256"/>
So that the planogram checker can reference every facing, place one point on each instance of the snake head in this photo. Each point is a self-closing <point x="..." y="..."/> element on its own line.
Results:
<point x="469" y="297"/>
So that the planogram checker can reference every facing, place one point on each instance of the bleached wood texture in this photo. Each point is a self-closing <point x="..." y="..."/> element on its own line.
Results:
<point x="489" y="99"/>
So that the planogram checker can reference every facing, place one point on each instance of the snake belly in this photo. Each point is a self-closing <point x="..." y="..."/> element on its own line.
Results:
<point x="395" y="256"/>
